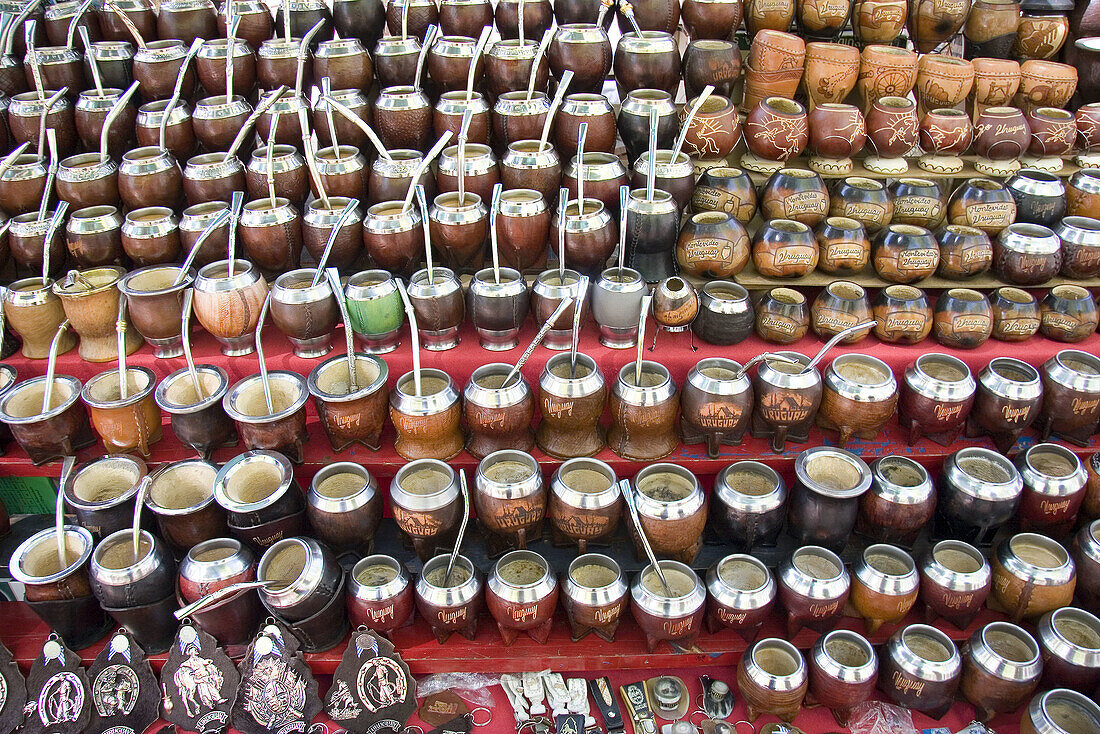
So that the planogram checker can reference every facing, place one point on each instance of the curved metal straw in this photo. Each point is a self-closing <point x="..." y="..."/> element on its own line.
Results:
<point x="216" y="596"/>
<point x="263" y="106"/>
<point x="194" y="49"/>
<point x="126" y="22"/>
<point x="543" y="45"/>
<point x="214" y="223"/>
<point x="582" y="133"/>
<point x="768" y="356"/>
<point x="51" y="366"/>
<point x="414" y="335"/>
<point x="73" y="27"/>
<point x="463" y="133"/>
<point x="628" y="497"/>
<point x="120" y="335"/>
<point x="643" y="312"/>
<point x="51" y="173"/>
<point x="559" y="95"/>
<point x="264" y="379"/>
<point x="562" y="305"/>
<point x="112" y="115"/>
<point x="479" y="49"/>
<point x="326" y="92"/>
<point x="461" y="528"/>
<point x="582" y="290"/>
<point x="707" y="90"/>
<point x="333" y="276"/>
<point x="429" y="38"/>
<point x="139" y="505"/>
<point x="423" y="166"/>
<point x="185" y="336"/>
<point x="493" y="247"/>
<point x="67" y="465"/>
<point x="235" y="205"/>
<point x="422" y="200"/>
<point x="624" y="199"/>
<point x="345" y="215"/>
<point x="837" y="338"/>
<point x="46" y="107"/>
<point x="93" y="65"/>
<point x="358" y="121"/>
<point x="55" y="222"/>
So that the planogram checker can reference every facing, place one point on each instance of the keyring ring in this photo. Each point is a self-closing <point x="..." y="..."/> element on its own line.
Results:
<point x="701" y="713"/>
<point x="750" y="725"/>
<point x="481" y="708"/>
<point x="414" y="727"/>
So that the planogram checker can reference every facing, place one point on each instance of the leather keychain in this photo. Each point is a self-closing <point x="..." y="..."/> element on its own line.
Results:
<point x="462" y="724"/>
<point x="604" y="696"/>
<point x="640" y="713"/>
<point x="441" y="708"/>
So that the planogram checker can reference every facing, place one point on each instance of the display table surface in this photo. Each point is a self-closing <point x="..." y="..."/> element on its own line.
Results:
<point x="672" y="351"/>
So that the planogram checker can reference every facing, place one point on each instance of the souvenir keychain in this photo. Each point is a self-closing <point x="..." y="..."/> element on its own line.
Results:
<point x="198" y="682"/>
<point x="13" y="692"/>
<point x="57" y="692"/>
<point x="125" y="695"/>
<point x="372" y="689"/>
<point x="278" y="693"/>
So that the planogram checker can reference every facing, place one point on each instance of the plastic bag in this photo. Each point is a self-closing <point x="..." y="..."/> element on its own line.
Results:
<point x="876" y="717"/>
<point x="471" y="687"/>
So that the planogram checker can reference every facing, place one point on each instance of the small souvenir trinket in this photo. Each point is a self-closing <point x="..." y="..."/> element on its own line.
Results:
<point x="58" y="691"/>
<point x="199" y="682"/>
<point x="372" y="685"/>
<point x="125" y="694"/>
<point x="13" y="692"/>
<point x="278" y="692"/>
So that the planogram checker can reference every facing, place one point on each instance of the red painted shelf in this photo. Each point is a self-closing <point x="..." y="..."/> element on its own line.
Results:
<point x="673" y="351"/>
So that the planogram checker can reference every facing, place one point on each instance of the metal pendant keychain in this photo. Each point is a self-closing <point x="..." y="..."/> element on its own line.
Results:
<point x="125" y="694"/>
<point x="372" y="683"/>
<point x="57" y="692"/>
<point x="198" y="682"/>
<point x="13" y="692"/>
<point x="278" y="691"/>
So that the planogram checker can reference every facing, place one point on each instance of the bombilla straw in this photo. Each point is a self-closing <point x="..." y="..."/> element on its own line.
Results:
<point x="543" y="330"/>
<point x="112" y="115"/>
<point x="120" y="331"/>
<point x="16" y="23"/>
<point x="9" y="159"/>
<point x="46" y="107"/>
<point x="177" y="89"/>
<point x="582" y="290"/>
<point x="345" y="215"/>
<point x="643" y="311"/>
<point x="303" y="50"/>
<point x="494" y="248"/>
<point x="559" y="95"/>
<point x="624" y="199"/>
<point x="270" y="173"/>
<point x="632" y="506"/>
<point x="139" y="505"/>
<point x="563" y="202"/>
<point x="651" y="169"/>
<point x="478" y="51"/>
<point x="768" y="356"/>
<point x="59" y="513"/>
<point x="51" y="174"/>
<point x="67" y="465"/>
<point x="582" y="133"/>
<point x="32" y="59"/>
<point x="462" y="526"/>
<point x="463" y="132"/>
<point x="543" y="45"/>
<point x="519" y="14"/>
<point x="214" y="597"/>
<point x="422" y="200"/>
<point x="216" y="222"/>
<point x="628" y="11"/>
<point x="405" y="19"/>
<point x="311" y="161"/>
<point x="232" y="22"/>
<point x="129" y="24"/>
<point x="93" y="65"/>
<point x="605" y="6"/>
<point x="837" y="338"/>
<point x="75" y="27"/>
<point x="333" y="276"/>
<point x="707" y="90"/>
<point x="347" y="113"/>
<point x="185" y="336"/>
<point x="326" y="92"/>
<point x="286" y="21"/>
<point x="235" y="205"/>
<point x="423" y="166"/>
<point x="414" y="335"/>
<point x="51" y="366"/>
<point x="265" y="380"/>
<point x="261" y="108"/>
<point x="55" y="222"/>
<point x="429" y="38"/>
